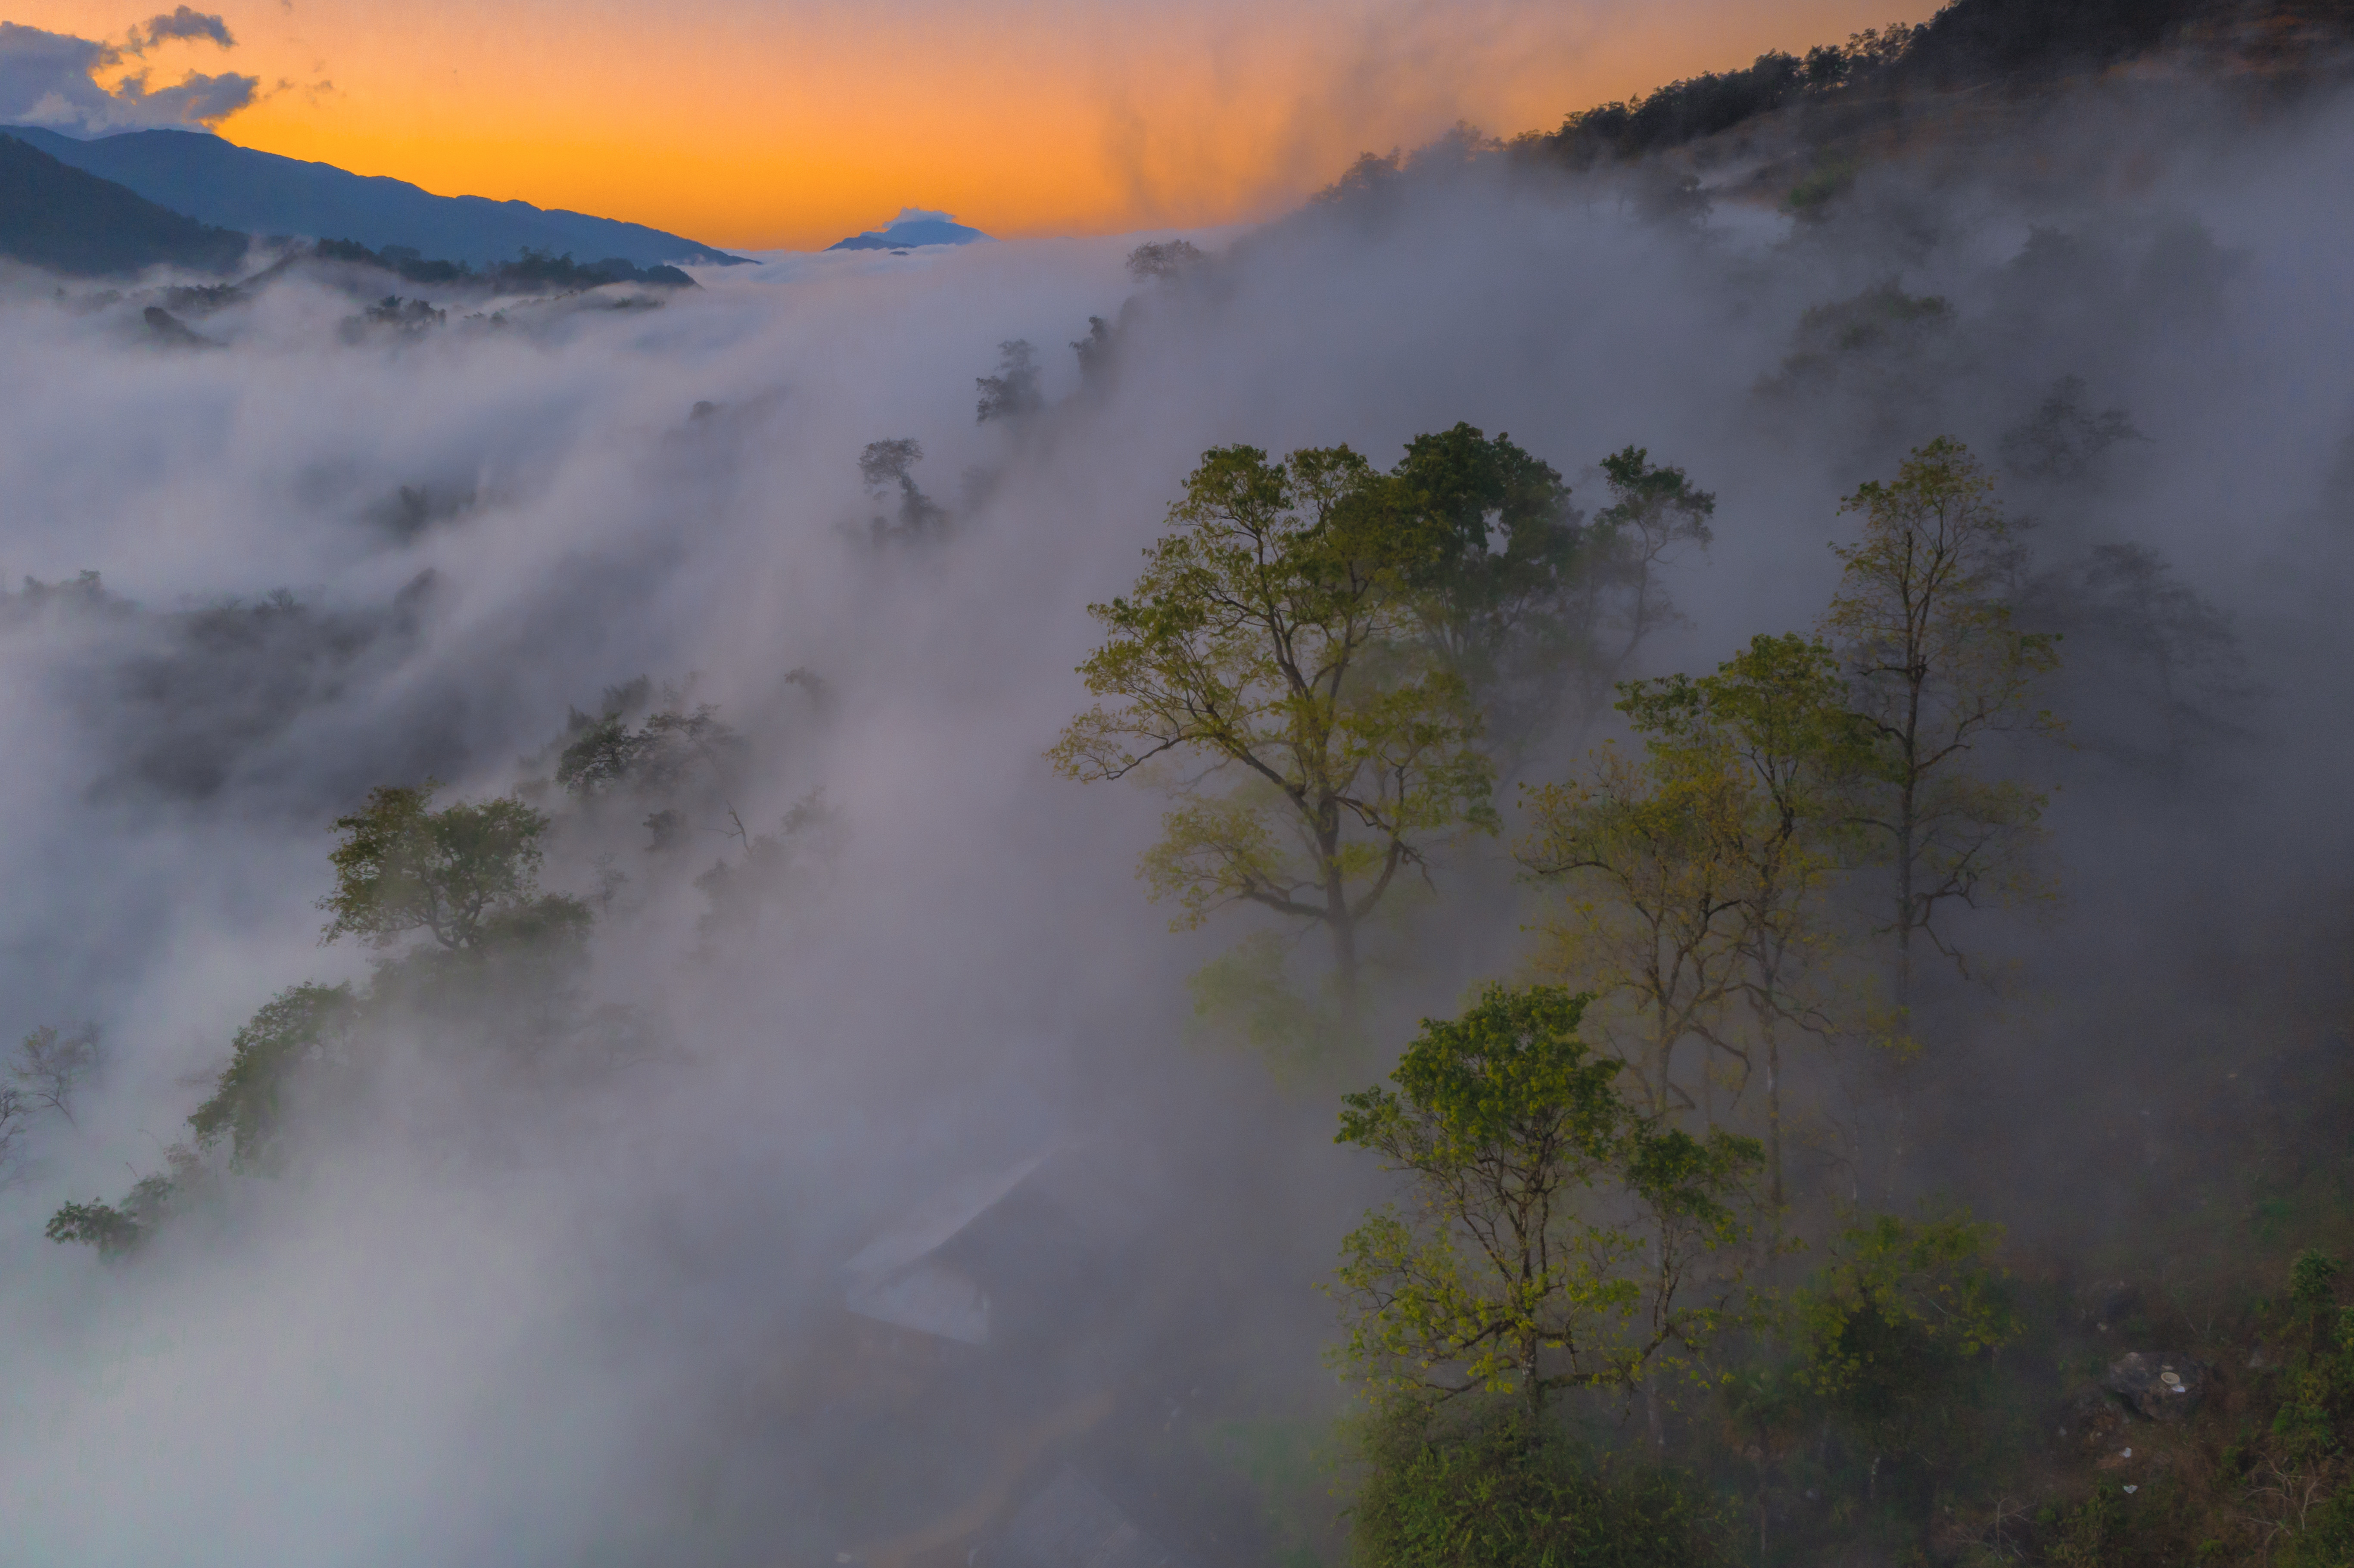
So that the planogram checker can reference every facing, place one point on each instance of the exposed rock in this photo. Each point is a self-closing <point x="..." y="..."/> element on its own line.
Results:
<point x="2157" y="1383"/>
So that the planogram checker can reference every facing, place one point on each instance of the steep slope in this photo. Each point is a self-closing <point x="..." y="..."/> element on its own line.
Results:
<point x="69" y="222"/>
<point x="221" y="183"/>
<point x="2014" y="48"/>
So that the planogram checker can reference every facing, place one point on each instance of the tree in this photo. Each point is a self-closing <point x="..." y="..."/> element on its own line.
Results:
<point x="659" y="755"/>
<point x="1654" y="511"/>
<point x="1896" y="1332"/>
<point x="1164" y="261"/>
<point x="296" y="1027"/>
<point x="467" y="874"/>
<point x="1556" y="1238"/>
<point x="885" y="465"/>
<point x="1013" y="391"/>
<point x="1454" y="1488"/>
<point x="1501" y="612"/>
<point x="116" y="1231"/>
<point x="2167" y="664"/>
<point x="51" y="1065"/>
<point x="1935" y="666"/>
<point x="1652" y="850"/>
<point x="1775" y="714"/>
<point x="1269" y="639"/>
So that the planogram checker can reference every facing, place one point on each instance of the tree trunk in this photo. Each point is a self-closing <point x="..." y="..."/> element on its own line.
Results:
<point x="1344" y="923"/>
<point x="1773" y="1141"/>
<point x="1344" y="957"/>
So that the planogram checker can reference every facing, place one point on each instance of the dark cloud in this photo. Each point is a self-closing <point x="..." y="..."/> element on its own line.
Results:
<point x="49" y="78"/>
<point x="186" y="22"/>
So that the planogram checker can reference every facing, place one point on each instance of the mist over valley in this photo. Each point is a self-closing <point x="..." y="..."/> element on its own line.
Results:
<point x="1619" y="848"/>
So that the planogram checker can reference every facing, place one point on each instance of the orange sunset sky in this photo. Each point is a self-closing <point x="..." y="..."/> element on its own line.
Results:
<point x="761" y="123"/>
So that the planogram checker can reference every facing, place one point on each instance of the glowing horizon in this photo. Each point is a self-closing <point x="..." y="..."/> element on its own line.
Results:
<point x="759" y="127"/>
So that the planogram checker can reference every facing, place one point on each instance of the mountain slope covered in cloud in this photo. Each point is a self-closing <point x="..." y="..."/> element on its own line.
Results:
<point x="217" y="181"/>
<point x="815" y="1145"/>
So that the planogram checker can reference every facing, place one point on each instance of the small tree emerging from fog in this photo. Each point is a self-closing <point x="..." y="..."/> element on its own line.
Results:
<point x="886" y="466"/>
<point x="1554" y="1238"/>
<point x="1896" y="1333"/>
<point x="1655" y="511"/>
<point x="51" y="1066"/>
<point x="1164" y="261"/>
<point x="659" y="755"/>
<point x="1269" y="642"/>
<point x="1923" y="624"/>
<point x="466" y="875"/>
<point x="1013" y="391"/>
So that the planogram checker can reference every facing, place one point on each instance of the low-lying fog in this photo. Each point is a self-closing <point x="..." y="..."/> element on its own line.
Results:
<point x="579" y="1313"/>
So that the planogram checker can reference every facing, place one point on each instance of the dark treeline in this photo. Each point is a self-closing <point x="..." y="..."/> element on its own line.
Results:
<point x="530" y="270"/>
<point x="1969" y="43"/>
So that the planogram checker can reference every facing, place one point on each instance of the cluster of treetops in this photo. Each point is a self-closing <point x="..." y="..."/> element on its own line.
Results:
<point x="530" y="270"/>
<point x="472" y="947"/>
<point x="1328" y="667"/>
<point x="1338" y="663"/>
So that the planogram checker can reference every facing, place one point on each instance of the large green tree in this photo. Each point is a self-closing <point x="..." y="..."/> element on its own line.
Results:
<point x="1935" y="666"/>
<point x="467" y="876"/>
<point x="1495" y="558"/>
<point x="1271" y="647"/>
<point x="1553" y="1237"/>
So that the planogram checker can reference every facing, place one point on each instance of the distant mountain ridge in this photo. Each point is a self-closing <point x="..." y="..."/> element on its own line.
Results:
<point x="913" y="228"/>
<point x="68" y="220"/>
<point x="201" y="176"/>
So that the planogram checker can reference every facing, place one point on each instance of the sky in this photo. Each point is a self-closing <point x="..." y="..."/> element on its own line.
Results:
<point x="773" y="124"/>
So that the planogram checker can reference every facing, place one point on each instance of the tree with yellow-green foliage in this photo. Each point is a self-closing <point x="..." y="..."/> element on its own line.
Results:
<point x="1648" y="850"/>
<point x="1269" y="649"/>
<point x="467" y="876"/>
<point x="1772" y="724"/>
<point x="1936" y="668"/>
<point x="1553" y="1237"/>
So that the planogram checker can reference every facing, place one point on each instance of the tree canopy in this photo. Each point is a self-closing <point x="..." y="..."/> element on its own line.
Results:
<point x="1554" y="1236"/>
<point x="465" y="875"/>
<point x="1271" y="639"/>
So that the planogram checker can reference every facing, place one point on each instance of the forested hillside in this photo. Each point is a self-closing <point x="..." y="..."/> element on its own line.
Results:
<point x="1620" y="850"/>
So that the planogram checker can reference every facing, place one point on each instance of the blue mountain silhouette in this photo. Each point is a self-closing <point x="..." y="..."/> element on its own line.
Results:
<point x="216" y="181"/>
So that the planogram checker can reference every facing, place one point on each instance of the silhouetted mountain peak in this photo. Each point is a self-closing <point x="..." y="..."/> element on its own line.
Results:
<point x="912" y="229"/>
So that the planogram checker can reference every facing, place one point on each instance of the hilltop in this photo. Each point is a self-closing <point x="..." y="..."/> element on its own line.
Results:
<point x="216" y="181"/>
<point x="912" y="229"/>
<point x="59" y="217"/>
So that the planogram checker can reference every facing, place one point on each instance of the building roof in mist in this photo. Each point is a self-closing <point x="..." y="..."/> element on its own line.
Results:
<point x="895" y="1279"/>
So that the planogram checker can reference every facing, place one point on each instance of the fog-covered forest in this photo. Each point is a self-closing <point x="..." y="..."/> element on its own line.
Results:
<point x="1623" y="848"/>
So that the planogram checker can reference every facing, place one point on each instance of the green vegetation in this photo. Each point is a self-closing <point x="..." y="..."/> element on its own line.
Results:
<point x="1936" y="664"/>
<point x="1502" y="1277"/>
<point x="1343" y="652"/>
<point x="1447" y="1489"/>
<point x="467" y="876"/>
<point x="1269" y="639"/>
